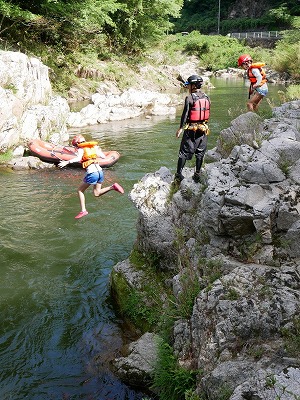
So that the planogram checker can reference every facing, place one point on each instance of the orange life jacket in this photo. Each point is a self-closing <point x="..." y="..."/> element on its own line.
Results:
<point x="89" y="153"/>
<point x="252" y="78"/>
<point x="200" y="110"/>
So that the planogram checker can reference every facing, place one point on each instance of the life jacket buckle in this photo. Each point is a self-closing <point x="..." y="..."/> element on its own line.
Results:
<point x="198" y="126"/>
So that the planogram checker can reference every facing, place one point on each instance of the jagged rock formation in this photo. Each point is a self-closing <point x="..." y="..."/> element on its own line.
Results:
<point x="27" y="107"/>
<point x="236" y="235"/>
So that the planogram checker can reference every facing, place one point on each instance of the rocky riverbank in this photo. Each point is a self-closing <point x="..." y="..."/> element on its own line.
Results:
<point x="233" y="237"/>
<point x="30" y="110"/>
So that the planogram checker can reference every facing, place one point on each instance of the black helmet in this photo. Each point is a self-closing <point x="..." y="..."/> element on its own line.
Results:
<point x="194" y="79"/>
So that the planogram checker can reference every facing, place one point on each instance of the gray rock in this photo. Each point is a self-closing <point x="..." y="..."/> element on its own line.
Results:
<point x="137" y="367"/>
<point x="28" y="109"/>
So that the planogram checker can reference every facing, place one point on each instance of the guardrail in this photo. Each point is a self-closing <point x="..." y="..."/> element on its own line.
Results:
<point x="256" y="35"/>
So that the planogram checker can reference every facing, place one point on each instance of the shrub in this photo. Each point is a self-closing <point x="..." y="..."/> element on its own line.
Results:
<point x="287" y="54"/>
<point x="170" y="380"/>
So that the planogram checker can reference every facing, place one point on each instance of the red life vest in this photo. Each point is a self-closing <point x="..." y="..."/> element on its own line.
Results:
<point x="200" y="110"/>
<point x="252" y="78"/>
<point x="89" y="153"/>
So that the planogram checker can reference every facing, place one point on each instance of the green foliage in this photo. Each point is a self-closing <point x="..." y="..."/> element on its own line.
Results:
<point x="141" y="307"/>
<point x="191" y="287"/>
<point x="211" y="270"/>
<point x="140" y="23"/>
<point x="214" y="51"/>
<point x="128" y="26"/>
<point x="14" y="13"/>
<point x="10" y="86"/>
<point x="291" y="337"/>
<point x="287" y="54"/>
<point x="224" y="393"/>
<point x="277" y="17"/>
<point x="203" y="16"/>
<point x="232" y="294"/>
<point x="293" y="92"/>
<point x="5" y="157"/>
<point x="170" y="380"/>
<point x="144" y="315"/>
<point x="137" y="259"/>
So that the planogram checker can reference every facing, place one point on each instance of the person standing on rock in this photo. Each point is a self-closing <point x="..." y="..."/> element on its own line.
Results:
<point x="193" y="124"/>
<point x="258" y="81"/>
<point x="87" y="152"/>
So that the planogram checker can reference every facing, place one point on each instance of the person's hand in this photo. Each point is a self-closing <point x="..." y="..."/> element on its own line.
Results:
<point x="178" y="133"/>
<point x="63" y="164"/>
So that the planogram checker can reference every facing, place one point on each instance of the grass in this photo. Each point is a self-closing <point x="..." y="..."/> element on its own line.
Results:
<point x="291" y="336"/>
<point x="5" y="157"/>
<point x="170" y="380"/>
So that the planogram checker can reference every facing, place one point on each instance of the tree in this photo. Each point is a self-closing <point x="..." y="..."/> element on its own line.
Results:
<point x="140" y="22"/>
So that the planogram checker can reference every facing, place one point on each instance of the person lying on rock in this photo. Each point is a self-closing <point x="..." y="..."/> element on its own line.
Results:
<point x="87" y="153"/>
<point x="258" y="81"/>
<point x="193" y="123"/>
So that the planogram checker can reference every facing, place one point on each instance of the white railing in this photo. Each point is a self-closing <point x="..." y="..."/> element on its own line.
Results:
<point x="256" y="35"/>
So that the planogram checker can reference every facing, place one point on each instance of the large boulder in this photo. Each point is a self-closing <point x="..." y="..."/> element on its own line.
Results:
<point x="137" y="365"/>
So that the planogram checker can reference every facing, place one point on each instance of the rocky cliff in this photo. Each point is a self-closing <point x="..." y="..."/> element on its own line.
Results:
<point x="231" y="245"/>
<point x="28" y="108"/>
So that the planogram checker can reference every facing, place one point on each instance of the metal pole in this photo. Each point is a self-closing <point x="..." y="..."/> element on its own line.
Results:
<point x="219" y="17"/>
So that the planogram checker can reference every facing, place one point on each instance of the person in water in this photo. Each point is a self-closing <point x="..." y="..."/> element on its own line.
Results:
<point x="193" y="124"/>
<point x="87" y="152"/>
<point x="258" y="81"/>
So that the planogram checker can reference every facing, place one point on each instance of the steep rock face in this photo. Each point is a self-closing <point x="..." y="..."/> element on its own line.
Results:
<point x="237" y="233"/>
<point x="26" y="76"/>
<point x="251" y="197"/>
<point x="27" y="107"/>
<point x="245" y="9"/>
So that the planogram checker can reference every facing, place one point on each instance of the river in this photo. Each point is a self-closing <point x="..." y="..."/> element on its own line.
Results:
<point x="57" y="328"/>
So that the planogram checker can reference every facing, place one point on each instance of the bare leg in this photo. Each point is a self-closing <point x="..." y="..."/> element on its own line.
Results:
<point x="82" y="188"/>
<point x="254" y="102"/>
<point x="99" y="191"/>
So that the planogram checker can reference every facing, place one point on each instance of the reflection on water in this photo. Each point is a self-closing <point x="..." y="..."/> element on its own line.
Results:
<point x="57" y="329"/>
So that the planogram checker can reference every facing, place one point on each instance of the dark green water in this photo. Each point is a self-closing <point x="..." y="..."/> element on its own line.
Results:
<point x="57" y="328"/>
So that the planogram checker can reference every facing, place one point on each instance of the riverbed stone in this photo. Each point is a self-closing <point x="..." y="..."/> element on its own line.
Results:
<point x="26" y="163"/>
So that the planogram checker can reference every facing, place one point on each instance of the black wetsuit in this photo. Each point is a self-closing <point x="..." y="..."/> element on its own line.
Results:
<point x="193" y="141"/>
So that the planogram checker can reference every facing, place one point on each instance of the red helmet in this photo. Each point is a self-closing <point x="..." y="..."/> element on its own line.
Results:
<point x="243" y="58"/>
<point x="77" y="139"/>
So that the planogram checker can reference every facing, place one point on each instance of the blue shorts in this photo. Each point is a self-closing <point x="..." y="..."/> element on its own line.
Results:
<point x="94" y="175"/>
<point x="262" y="92"/>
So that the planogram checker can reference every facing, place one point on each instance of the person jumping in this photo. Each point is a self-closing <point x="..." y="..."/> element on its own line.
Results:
<point x="87" y="153"/>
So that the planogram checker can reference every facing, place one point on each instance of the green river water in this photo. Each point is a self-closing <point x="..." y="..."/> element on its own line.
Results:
<point x="57" y="326"/>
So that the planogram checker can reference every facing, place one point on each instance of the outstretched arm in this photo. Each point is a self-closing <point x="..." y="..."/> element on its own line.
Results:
<point x="72" y="160"/>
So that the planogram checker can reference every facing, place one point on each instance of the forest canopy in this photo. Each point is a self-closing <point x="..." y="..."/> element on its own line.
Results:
<point x="129" y="26"/>
<point x="66" y="34"/>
